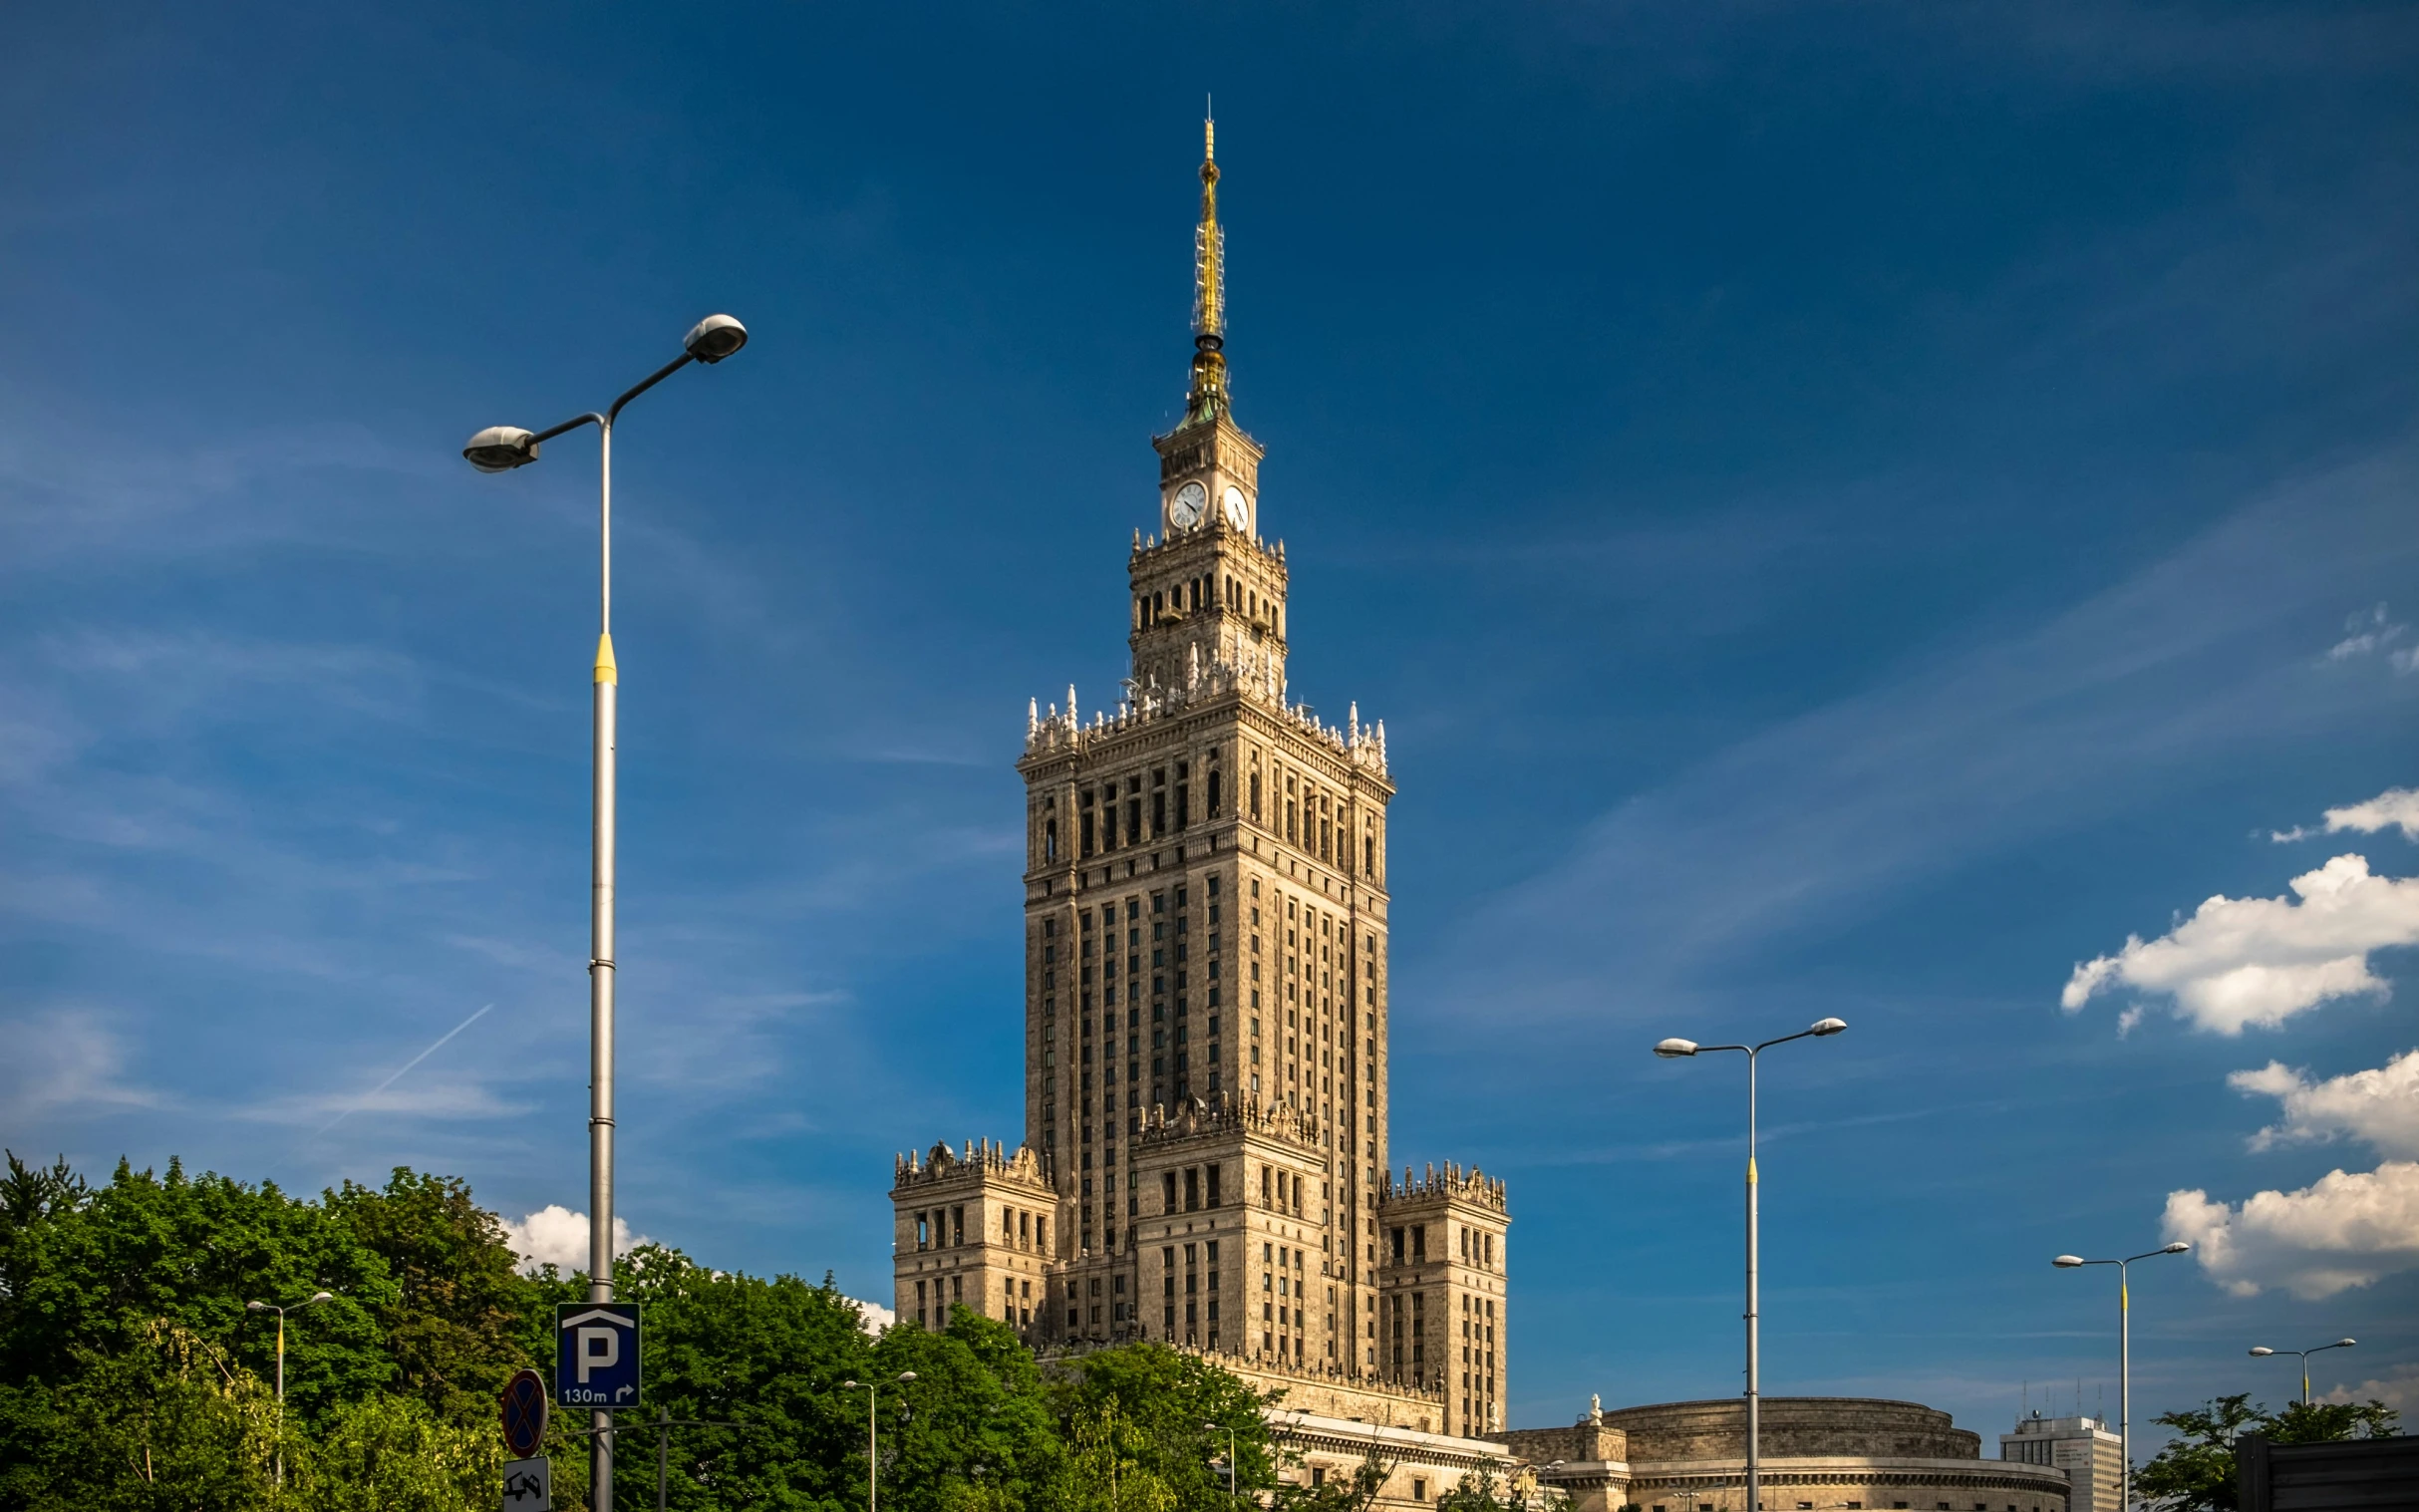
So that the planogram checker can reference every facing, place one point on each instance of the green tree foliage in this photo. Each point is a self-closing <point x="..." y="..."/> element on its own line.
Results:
<point x="1156" y="1405"/>
<point x="131" y="1375"/>
<point x="2196" y="1471"/>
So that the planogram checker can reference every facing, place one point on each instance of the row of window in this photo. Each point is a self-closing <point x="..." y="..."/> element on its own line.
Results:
<point x="1162" y="605"/>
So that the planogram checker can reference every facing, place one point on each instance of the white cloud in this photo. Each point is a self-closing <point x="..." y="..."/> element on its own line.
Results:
<point x="2243" y="961"/>
<point x="2400" y="1390"/>
<point x="2341" y="1232"/>
<point x="2379" y="1107"/>
<point x="872" y="1317"/>
<point x="557" y="1236"/>
<point x="2395" y="808"/>
<point x="2366" y="632"/>
<point x="2398" y="806"/>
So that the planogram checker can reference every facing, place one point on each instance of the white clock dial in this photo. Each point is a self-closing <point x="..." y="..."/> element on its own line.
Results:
<point x="1184" y="510"/>
<point x="1238" y="509"/>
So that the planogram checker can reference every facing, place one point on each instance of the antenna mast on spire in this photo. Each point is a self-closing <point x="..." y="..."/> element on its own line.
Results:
<point x="1208" y="397"/>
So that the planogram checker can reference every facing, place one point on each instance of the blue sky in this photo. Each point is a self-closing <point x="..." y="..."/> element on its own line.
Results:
<point x="1842" y="509"/>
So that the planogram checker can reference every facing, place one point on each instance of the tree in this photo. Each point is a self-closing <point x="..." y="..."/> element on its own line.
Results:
<point x="459" y="1318"/>
<point x="389" y="1451"/>
<point x="2196" y="1471"/>
<point x="1167" y="1400"/>
<point x="1477" y="1492"/>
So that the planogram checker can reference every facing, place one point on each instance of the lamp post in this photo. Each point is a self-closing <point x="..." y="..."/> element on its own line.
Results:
<point x="873" y="1466"/>
<point x="2262" y="1351"/>
<point x="1230" y="1455"/>
<point x="2124" y="1355"/>
<point x="1674" y="1050"/>
<point x="499" y="448"/>
<point x="315" y="1300"/>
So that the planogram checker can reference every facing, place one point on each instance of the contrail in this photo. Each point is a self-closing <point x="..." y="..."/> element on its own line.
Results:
<point x="398" y="1076"/>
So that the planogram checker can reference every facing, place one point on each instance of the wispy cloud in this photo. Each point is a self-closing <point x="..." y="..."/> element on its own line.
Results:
<point x="2395" y="808"/>
<point x="2035" y="731"/>
<point x="64" y="1059"/>
<point x="2366" y="634"/>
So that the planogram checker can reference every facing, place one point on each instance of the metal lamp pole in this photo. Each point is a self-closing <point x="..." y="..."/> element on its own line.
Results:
<point x="499" y="448"/>
<point x="2262" y="1351"/>
<point x="873" y="1466"/>
<point x="1230" y="1455"/>
<point x="316" y="1299"/>
<point x="2124" y="1355"/>
<point x="1672" y="1049"/>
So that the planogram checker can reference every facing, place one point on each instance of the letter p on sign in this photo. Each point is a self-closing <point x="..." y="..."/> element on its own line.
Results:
<point x="599" y="1349"/>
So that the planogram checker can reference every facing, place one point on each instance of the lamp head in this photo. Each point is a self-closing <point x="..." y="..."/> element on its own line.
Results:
<point x="2343" y="1343"/>
<point x="2067" y="1262"/>
<point x="257" y="1306"/>
<point x="907" y="1375"/>
<point x="2260" y="1351"/>
<point x="500" y="449"/>
<point x="319" y="1296"/>
<point x="1674" y="1050"/>
<point x="715" y="337"/>
<point x="1828" y="1026"/>
<point x="2177" y="1248"/>
<point x="848" y="1386"/>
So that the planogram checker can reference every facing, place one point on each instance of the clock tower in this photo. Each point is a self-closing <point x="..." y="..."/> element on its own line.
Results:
<point x="1207" y="591"/>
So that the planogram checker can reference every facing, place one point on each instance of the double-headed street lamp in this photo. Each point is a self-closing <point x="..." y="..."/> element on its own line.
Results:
<point x="2124" y="1357"/>
<point x="499" y="448"/>
<point x="873" y="1466"/>
<point x="315" y="1300"/>
<point x="2262" y="1351"/>
<point x="1674" y="1050"/>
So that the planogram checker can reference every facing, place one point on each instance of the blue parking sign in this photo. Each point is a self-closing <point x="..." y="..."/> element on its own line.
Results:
<point x="596" y="1354"/>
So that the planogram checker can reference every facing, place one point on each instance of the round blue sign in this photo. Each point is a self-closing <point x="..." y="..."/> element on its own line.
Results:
<point x="525" y="1411"/>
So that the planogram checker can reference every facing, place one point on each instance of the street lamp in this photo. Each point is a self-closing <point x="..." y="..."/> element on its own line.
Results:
<point x="316" y="1299"/>
<point x="2262" y="1351"/>
<point x="1679" y="1050"/>
<point x="873" y="1392"/>
<point x="1230" y="1455"/>
<point x="499" y="448"/>
<point x="2124" y="1355"/>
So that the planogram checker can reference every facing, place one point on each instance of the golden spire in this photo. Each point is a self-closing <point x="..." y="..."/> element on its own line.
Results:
<point x="1208" y="397"/>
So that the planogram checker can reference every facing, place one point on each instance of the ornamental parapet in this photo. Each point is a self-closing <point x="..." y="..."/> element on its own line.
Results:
<point x="1256" y="679"/>
<point x="1226" y="1115"/>
<point x="1449" y="1181"/>
<point x="981" y="1157"/>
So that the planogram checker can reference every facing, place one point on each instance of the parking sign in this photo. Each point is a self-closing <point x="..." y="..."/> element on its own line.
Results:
<point x="596" y="1354"/>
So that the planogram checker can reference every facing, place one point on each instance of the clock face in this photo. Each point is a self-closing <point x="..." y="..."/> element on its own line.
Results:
<point x="1184" y="510"/>
<point x="1238" y="510"/>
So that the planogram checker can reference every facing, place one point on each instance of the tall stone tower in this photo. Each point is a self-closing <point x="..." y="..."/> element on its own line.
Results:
<point x="1205" y="1154"/>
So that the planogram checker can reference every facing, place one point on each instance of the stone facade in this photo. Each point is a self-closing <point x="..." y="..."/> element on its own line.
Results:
<point x="1794" y="1425"/>
<point x="1205" y="1158"/>
<point x="1826" y="1453"/>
